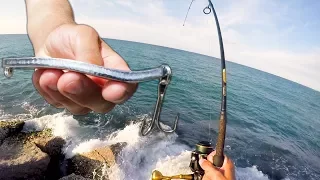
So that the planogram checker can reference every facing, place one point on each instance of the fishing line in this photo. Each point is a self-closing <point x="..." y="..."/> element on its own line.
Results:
<point x="219" y="156"/>
<point x="187" y="12"/>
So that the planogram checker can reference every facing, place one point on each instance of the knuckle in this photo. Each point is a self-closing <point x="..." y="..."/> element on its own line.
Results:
<point x="87" y="30"/>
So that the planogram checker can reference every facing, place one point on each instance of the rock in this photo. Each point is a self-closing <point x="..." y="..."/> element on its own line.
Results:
<point x="35" y="155"/>
<point x="73" y="177"/>
<point x="38" y="155"/>
<point x="93" y="164"/>
<point x="8" y="128"/>
<point x="20" y="159"/>
<point x="52" y="146"/>
<point x="54" y="149"/>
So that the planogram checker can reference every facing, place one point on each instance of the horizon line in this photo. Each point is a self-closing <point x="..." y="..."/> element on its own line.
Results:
<point x="193" y="53"/>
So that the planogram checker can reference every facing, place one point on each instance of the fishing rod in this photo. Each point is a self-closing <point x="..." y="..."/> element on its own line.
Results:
<point x="204" y="148"/>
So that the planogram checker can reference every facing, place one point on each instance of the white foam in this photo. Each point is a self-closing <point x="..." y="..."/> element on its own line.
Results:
<point x="62" y="125"/>
<point x="88" y="146"/>
<point x="32" y="111"/>
<point x="160" y="152"/>
<point x="250" y="173"/>
<point x="130" y="135"/>
<point x="173" y="165"/>
<point x="141" y="155"/>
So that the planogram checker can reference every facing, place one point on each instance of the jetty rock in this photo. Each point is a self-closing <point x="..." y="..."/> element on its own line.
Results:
<point x="20" y="155"/>
<point x="39" y="155"/>
<point x="8" y="128"/>
<point x="94" y="164"/>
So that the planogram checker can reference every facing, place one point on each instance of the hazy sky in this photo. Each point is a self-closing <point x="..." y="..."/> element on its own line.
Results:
<point x="279" y="37"/>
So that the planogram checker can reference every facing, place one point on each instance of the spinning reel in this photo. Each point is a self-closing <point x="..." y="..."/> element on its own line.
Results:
<point x="202" y="150"/>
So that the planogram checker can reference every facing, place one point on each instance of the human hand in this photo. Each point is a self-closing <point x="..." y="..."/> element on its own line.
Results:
<point x="77" y="92"/>
<point x="226" y="172"/>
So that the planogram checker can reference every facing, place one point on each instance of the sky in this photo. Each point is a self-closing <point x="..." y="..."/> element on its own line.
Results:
<point x="279" y="37"/>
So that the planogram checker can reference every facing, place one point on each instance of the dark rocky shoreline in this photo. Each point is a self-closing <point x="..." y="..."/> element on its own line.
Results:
<point x="38" y="155"/>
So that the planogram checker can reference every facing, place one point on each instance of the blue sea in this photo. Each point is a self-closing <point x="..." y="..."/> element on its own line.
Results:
<point x="273" y="124"/>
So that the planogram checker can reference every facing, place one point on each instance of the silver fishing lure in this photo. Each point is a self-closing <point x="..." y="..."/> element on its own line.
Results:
<point x="163" y="73"/>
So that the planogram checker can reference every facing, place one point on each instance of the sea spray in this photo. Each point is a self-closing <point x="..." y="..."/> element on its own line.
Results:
<point x="173" y="165"/>
<point x="61" y="124"/>
<point x="139" y="158"/>
<point x="250" y="173"/>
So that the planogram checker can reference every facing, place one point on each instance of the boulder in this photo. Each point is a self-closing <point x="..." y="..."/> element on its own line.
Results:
<point x="73" y="177"/>
<point x="35" y="155"/>
<point x="21" y="159"/>
<point x="93" y="164"/>
<point x="8" y="128"/>
<point x="38" y="155"/>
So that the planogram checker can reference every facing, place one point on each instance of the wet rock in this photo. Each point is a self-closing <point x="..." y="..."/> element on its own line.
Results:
<point x="38" y="155"/>
<point x="8" y="128"/>
<point x="22" y="159"/>
<point x="35" y="155"/>
<point x="73" y="177"/>
<point x="54" y="149"/>
<point x="52" y="145"/>
<point x="93" y="164"/>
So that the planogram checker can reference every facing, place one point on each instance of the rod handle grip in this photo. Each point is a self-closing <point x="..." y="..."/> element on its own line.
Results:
<point x="218" y="160"/>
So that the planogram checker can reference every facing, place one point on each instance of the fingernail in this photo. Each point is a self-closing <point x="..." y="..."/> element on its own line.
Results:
<point x="53" y="87"/>
<point x="75" y="87"/>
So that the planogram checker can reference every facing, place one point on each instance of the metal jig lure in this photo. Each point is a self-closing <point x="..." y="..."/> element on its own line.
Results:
<point x="163" y="73"/>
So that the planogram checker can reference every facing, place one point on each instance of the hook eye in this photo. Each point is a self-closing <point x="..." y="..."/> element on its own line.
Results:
<point x="207" y="10"/>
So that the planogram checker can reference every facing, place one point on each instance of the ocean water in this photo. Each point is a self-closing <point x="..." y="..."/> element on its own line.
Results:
<point x="273" y="124"/>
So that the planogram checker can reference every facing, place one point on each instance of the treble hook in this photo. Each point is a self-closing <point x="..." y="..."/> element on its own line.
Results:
<point x="163" y="84"/>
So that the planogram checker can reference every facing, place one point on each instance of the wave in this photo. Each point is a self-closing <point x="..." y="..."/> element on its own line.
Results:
<point x="141" y="155"/>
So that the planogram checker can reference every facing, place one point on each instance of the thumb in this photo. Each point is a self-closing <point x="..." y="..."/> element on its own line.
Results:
<point x="86" y="46"/>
